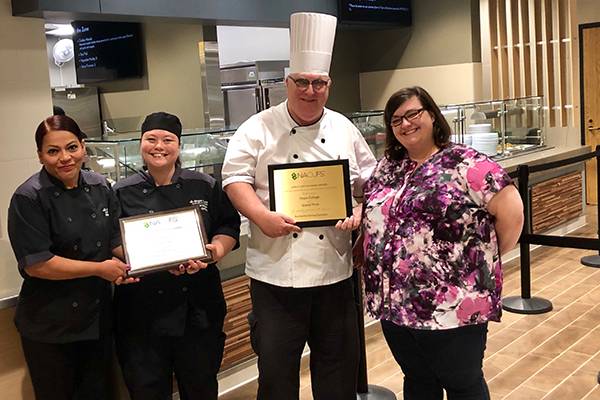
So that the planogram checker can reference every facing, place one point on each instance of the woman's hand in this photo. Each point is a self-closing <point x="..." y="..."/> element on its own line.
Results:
<point x="191" y="267"/>
<point x="353" y="222"/>
<point x="114" y="270"/>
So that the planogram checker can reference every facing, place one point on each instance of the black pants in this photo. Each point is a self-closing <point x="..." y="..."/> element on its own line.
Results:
<point x="437" y="360"/>
<point x="284" y="319"/>
<point x="69" y="371"/>
<point x="149" y="361"/>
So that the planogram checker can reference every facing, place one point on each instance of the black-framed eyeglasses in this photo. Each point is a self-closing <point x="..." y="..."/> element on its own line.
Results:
<point x="410" y="115"/>
<point x="318" y="84"/>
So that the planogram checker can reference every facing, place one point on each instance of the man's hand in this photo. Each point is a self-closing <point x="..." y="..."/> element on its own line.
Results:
<point x="274" y="224"/>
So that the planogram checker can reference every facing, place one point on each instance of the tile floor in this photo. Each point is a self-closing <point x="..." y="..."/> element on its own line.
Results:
<point x="551" y="356"/>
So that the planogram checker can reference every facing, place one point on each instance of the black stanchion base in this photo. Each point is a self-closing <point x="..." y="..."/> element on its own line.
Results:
<point x="533" y="305"/>
<point x="376" y="393"/>
<point x="591" y="261"/>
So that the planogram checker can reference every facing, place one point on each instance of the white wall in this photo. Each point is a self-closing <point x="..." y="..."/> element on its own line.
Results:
<point x="25" y="100"/>
<point x="245" y="43"/>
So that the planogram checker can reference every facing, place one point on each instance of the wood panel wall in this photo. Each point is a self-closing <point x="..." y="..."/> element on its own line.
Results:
<point x="555" y="201"/>
<point x="530" y="48"/>
<point x="237" y="344"/>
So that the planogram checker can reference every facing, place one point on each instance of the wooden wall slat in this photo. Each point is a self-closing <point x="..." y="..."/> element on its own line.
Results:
<point x="555" y="201"/>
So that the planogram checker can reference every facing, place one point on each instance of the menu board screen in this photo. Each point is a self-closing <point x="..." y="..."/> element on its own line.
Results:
<point x="389" y="12"/>
<point x="106" y="51"/>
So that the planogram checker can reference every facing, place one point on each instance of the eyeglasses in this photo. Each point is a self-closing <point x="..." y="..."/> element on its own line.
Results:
<point x="318" y="84"/>
<point x="410" y="115"/>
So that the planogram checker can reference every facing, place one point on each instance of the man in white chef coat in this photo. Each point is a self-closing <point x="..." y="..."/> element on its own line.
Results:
<point x="301" y="285"/>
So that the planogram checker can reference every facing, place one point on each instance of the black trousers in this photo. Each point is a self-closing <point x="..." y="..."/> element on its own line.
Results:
<point x="437" y="360"/>
<point x="69" y="371"/>
<point x="284" y="319"/>
<point x="148" y="362"/>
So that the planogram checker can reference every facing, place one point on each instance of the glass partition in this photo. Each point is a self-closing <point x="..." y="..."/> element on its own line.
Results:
<point x="498" y="128"/>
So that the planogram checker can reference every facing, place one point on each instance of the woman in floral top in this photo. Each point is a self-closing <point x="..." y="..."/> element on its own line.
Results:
<point x="437" y="217"/>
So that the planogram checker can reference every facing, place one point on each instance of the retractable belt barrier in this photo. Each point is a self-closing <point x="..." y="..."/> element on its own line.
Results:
<point x="525" y="304"/>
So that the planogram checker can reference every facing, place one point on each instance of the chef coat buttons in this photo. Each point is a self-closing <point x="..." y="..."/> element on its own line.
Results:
<point x="144" y="190"/>
<point x="56" y="194"/>
<point x="178" y="186"/>
<point x="323" y="140"/>
<point x="75" y="247"/>
<point x="321" y="237"/>
<point x="69" y="219"/>
<point x="295" y="235"/>
<point x="184" y="289"/>
<point x="293" y="131"/>
<point x="93" y="215"/>
<point x="98" y="243"/>
<point x="87" y="189"/>
<point x="160" y="291"/>
<point x="150" y="211"/>
<point x="295" y="156"/>
<point x="75" y="304"/>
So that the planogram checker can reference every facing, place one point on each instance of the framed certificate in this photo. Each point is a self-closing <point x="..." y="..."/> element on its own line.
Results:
<point x="313" y="193"/>
<point x="162" y="240"/>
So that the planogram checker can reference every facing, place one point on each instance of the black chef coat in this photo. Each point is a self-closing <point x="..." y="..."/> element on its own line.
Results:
<point x="46" y="219"/>
<point x="161" y="302"/>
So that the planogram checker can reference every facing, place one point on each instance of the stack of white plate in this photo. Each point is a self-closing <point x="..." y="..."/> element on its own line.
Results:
<point x="484" y="140"/>
<point x="486" y="143"/>
<point x="466" y="139"/>
<point x="480" y="128"/>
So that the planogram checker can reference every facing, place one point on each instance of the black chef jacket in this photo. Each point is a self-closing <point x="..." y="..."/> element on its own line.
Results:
<point x="161" y="302"/>
<point x="46" y="219"/>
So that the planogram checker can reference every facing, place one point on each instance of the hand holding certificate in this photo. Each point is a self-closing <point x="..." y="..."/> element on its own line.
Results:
<point x="159" y="241"/>
<point x="312" y="193"/>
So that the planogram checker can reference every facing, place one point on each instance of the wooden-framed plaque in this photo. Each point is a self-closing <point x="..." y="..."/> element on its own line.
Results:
<point x="313" y="193"/>
<point x="162" y="240"/>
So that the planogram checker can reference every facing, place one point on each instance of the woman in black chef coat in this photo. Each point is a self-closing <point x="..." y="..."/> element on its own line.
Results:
<point x="63" y="228"/>
<point x="172" y="321"/>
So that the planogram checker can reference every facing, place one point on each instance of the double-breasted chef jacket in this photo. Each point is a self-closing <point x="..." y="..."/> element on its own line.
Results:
<point x="316" y="256"/>
<point x="46" y="219"/>
<point x="161" y="303"/>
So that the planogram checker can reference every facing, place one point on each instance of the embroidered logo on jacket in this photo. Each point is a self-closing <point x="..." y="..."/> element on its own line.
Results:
<point x="203" y="204"/>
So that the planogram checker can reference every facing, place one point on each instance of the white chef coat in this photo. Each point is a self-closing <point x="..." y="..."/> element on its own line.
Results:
<point x="316" y="256"/>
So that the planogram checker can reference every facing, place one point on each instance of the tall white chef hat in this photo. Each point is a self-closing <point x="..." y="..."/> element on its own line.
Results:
<point x="311" y="42"/>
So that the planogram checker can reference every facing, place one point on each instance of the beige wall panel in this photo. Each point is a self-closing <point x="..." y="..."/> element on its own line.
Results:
<point x="24" y="101"/>
<point x="588" y="11"/>
<point x="447" y="84"/>
<point x="174" y="81"/>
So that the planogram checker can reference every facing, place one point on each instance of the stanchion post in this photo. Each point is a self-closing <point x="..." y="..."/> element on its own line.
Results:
<point x="363" y="389"/>
<point x="594" y="261"/>
<point x="525" y="304"/>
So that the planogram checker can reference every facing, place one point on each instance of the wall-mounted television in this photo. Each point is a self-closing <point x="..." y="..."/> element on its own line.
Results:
<point x="106" y="51"/>
<point x="375" y="12"/>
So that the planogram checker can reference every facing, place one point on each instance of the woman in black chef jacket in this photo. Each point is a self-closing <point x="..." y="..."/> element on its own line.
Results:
<point x="172" y="321"/>
<point x="63" y="228"/>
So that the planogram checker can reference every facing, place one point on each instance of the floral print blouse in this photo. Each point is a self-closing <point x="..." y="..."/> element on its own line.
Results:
<point x="430" y="246"/>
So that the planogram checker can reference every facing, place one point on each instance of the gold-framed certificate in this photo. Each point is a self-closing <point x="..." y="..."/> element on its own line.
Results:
<point x="313" y="193"/>
<point x="162" y="240"/>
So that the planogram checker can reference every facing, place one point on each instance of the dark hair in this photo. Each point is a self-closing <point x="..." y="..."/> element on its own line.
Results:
<point x="441" y="129"/>
<point x="56" y="110"/>
<point x="56" y="123"/>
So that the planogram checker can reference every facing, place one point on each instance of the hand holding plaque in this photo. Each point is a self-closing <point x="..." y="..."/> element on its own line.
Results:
<point x="163" y="240"/>
<point x="313" y="193"/>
